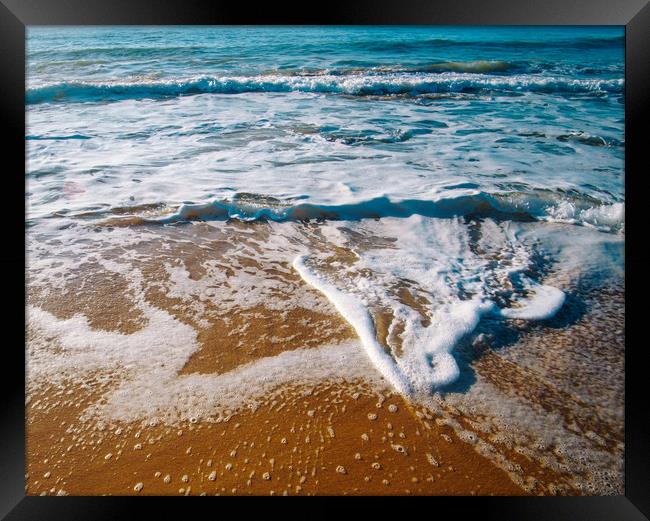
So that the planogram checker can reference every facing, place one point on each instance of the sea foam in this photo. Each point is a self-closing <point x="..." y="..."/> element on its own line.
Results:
<point x="359" y="317"/>
<point x="436" y="288"/>
<point x="518" y="206"/>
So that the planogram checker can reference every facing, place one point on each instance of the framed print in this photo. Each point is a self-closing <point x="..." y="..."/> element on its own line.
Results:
<point x="379" y="251"/>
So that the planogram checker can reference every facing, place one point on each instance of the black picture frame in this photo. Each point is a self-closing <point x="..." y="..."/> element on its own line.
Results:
<point x="15" y="15"/>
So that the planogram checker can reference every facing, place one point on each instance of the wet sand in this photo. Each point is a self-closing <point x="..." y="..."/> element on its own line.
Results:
<point x="331" y="439"/>
<point x="325" y="436"/>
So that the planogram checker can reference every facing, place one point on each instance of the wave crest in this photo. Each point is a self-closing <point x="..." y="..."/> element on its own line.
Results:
<point x="360" y="85"/>
<point x="539" y="205"/>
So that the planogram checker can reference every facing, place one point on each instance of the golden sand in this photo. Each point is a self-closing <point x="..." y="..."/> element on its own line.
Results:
<point x="83" y="293"/>
<point x="331" y="438"/>
<point x="259" y="333"/>
<point x="516" y="380"/>
<point x="326" y="440"/>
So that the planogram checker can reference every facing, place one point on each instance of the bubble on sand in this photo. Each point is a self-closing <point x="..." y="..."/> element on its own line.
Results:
<point x="341" y="469"/>
<point x="392" y="407"/>
<point x="376" y="465"/>
<point x="372" y="416"/>
<point x="432" y="460"/>
<point x="399" y="448"/>
<point x="266" y="476"/>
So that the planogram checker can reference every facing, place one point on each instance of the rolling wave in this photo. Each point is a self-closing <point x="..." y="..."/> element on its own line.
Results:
<point x="437" y="43"/>
<point x="476" y="67"/>
<point x="361" y="85"/>
<point x="539" y="205"/>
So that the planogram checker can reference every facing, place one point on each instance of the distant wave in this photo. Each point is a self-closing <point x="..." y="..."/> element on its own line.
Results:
<point x="114" y="52"/>
<point x="56" y="138"/>
<point x="363" y="85"/>
<point x="476" y="66"/>
<point x="517" y="206"/>
<point x="437" y="43"/>
<point x="316" y="48"/>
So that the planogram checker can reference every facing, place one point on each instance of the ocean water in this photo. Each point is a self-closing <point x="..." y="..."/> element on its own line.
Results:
<point x="450" y="120"/>
<point x="430" y="185"/>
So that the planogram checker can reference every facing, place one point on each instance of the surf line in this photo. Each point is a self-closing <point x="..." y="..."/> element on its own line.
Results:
<point x="359" y="318"/>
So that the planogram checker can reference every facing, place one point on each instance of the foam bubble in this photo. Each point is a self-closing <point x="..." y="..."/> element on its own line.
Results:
<point x="437" y="287"/>
<point x="357" y="315"/>
<point x="546" y="301"/>
<point x="146" y="363"/>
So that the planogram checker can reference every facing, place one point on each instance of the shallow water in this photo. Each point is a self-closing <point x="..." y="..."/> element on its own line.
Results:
<point x="328" y="116"/>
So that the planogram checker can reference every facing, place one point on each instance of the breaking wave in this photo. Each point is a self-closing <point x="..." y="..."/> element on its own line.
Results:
<point x="539" y="205"/>
<point x="354" y="85"/>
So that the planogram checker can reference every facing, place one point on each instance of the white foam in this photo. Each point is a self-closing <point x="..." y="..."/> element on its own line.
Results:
<point x="210" y="397"/>
<point x="164" y="344"/>
<point x="359" y="318"/>
<point x="259" y="143"/>
<point x="434" y="262"/>
<point x="546" y="301"/>
<point x="145" y="365"/>
<point x="604" y="217"/>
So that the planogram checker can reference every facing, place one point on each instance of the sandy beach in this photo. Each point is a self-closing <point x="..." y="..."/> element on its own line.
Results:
<point x="282" y="418"/>
<point x="325" y="260"/>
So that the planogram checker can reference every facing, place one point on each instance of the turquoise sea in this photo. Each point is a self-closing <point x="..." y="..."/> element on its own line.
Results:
<point x="525" y="119"/>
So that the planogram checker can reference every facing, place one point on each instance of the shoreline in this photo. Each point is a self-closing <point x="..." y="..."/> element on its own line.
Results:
<point x="144" y="347"/>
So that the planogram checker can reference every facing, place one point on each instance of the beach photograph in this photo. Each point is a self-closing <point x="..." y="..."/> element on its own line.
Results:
<point x="325" y="260"/>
